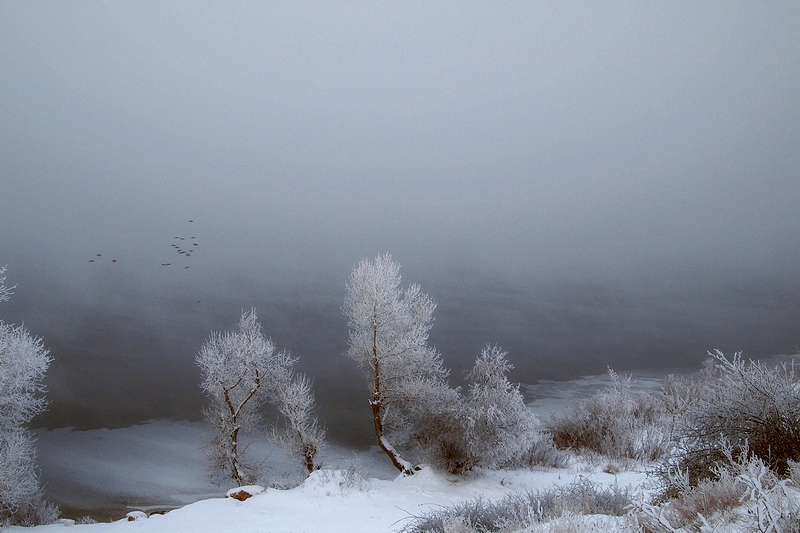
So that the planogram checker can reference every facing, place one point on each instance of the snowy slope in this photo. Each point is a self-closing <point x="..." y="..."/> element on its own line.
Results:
<point x="337" y="501"/>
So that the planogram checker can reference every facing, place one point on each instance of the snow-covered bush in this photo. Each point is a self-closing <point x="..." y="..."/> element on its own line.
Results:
<point x="541" y="452"/>
<point x="23" y="363"/>
<point x="522" y="510"/>
<point x="617" y="422"/>
<point x="439" y="432"/>
<point x="746" y="405"/>
<point x="743" y="495"/>
<point x="712" y="499"/>
<point x="794" y="472"/>
<point x="489" y="427"/>
<point x="240" y="372"/>
<point x="501" y="427"/>
<point x="680" y="392"/>
<point x="353" y="479"/>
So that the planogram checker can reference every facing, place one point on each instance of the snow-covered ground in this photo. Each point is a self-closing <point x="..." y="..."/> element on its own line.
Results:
<point x="340" y="501"/>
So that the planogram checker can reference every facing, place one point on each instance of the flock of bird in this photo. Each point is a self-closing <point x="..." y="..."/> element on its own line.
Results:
<point x="184" y="250"/>
<point x="100" y="255"/>
<point x="184" y="246"/>
<point x="181" y="248"/>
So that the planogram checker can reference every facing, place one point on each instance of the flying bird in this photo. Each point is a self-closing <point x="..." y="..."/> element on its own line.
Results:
<point x="165" y="264"/>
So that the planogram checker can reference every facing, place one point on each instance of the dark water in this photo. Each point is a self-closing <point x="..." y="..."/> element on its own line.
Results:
<point x="124" y="353"/>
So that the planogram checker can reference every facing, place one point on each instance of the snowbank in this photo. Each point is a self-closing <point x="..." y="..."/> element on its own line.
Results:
<point x="344" y="501"/>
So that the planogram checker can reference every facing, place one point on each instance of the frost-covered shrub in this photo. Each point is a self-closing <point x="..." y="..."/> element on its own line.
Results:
<point x="441" y="436"/>
<point x="500" y="426"/>
<point x="37" y="510"/>
<point x="743" y="495"/>
<point x="542" y="452"/>
<point x="489" y="427"/>
<point x="518" y="511"/>
<point x="18" y="481"/>
<point x="794" y="473"/>
<point x="748" y="406"/>
<point x="710" y="498"/>
<point x="680" y="392"/>
<point x="617" y="422"/>
<point x="354" y="479"/>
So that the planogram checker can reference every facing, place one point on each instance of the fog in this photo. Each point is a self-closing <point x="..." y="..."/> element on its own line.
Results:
<point x="585" y="185"/>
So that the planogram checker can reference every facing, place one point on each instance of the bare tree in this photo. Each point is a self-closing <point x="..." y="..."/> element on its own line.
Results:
<point x="388" y="338"/>
<point x="23" y="363"/>
<point x="241" y="371"/>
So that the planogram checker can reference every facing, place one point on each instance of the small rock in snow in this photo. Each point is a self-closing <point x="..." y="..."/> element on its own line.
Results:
<point x="136" y="515"/>
<point x="242" y="493"/>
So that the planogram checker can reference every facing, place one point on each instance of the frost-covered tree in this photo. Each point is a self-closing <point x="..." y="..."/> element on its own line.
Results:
<point x="302" y="436"/>
<point x="241" y="371"/>
<point x="235" y="367"/>
<point x="389" y="339"/>
<point x="23" y="363"/>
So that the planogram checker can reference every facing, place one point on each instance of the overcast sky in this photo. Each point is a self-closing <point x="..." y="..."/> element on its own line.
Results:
<point x="561" y="136"/>
<point x="538" y="140"/>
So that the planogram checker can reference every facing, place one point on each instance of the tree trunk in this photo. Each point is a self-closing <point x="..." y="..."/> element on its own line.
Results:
<point x="377" y="415"/>
<point x="397" y="460"/>
<point x="236" y="471"/>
